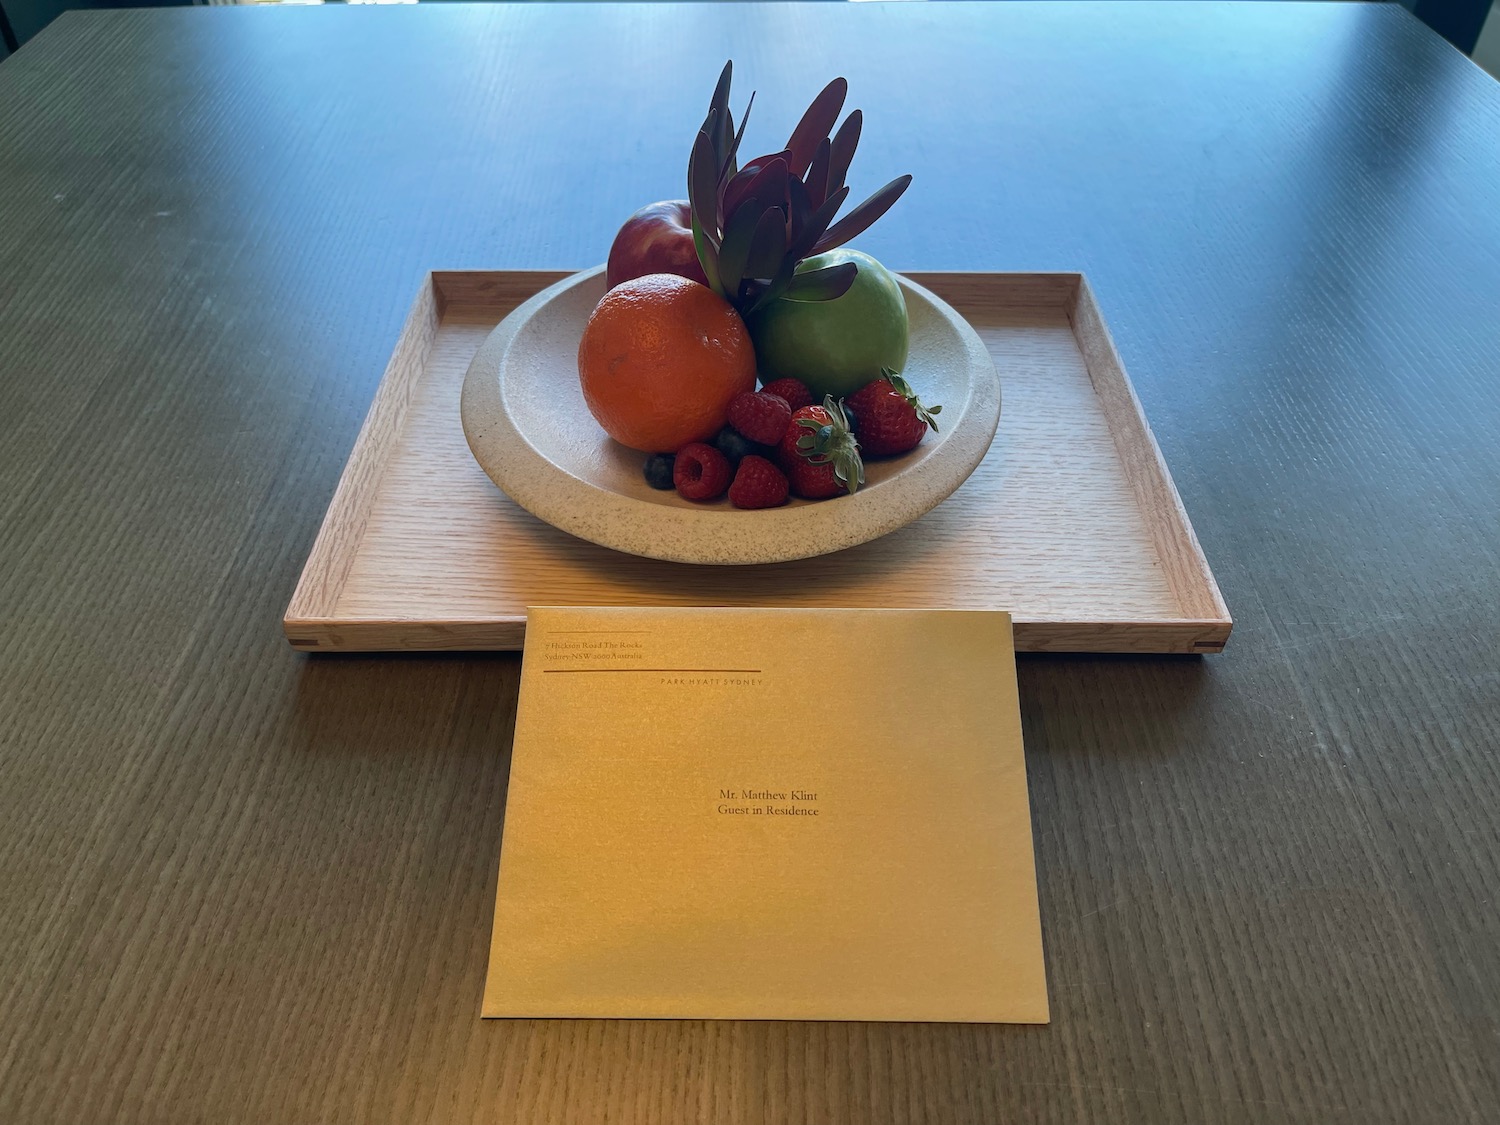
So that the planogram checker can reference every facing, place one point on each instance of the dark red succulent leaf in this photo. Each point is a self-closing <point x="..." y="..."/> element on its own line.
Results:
<point x="817" y="173"/>
<point x="775" y="288"/>
<point x="845" y="141"/>
<point x="816" y="124"/>
<point x="799" y="214"/>
<point x="733" y="186"/>
<point x="768" y="246"/>
<point x="752" y="225"/>
<point x="857" y="221"/>
<point x="811" y="229"/>
<point x="735" y="250"/>
<point x="821" y="284"/>
<point x="764" y="177"/>
<point x="817" y="225"/>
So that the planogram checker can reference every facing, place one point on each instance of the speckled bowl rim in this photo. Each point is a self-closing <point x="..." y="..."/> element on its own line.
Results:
<point x="720" y="535"/>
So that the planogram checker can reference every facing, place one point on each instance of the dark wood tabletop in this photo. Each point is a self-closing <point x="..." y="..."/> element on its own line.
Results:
<point x="238" y="884"/>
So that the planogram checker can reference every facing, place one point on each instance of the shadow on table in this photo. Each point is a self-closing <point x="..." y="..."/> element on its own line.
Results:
<point x="455" y="705"/>
<point x="1115" y="706"/>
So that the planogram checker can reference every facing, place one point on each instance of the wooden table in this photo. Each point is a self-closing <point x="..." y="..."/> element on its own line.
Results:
<point x="241" y="885"/>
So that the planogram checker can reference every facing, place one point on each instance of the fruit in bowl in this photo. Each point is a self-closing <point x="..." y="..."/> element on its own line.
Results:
<point x="835" y="347"/>
<point x="820" y="453"/>
<point x="656" y="239"/>
<point x="892" y="419"/>
<point x="660" y="361"/>
<point x="668" y="360"/>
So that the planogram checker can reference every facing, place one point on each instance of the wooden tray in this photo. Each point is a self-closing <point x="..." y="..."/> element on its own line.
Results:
<point x="1071" y="523"/>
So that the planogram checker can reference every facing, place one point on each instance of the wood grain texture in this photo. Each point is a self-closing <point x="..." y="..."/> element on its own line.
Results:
<point x="327" y="568"/>
<point x="239" y="884"/>
<point x="1071" y="523"/>
<point x="1171" y="533"/>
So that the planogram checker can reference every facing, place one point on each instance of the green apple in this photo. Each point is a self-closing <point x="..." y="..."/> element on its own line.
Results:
<point x="836" y="346"/>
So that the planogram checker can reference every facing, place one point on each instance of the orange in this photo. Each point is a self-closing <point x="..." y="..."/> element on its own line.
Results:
<point x="660" y="360"/>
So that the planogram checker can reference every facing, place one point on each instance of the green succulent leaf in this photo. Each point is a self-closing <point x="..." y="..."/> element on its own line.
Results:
<point x="728" y="171"/>
<point x="724" y="144"/>
<point x="707" y="257"/>
<point x="723" y="140"/>
<point x="739" y="232"/>
<point x="718" y="110"/>
<point x="703" y="188"/>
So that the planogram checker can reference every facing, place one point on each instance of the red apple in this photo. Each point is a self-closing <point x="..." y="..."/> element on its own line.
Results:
<point x="656" y="239"/>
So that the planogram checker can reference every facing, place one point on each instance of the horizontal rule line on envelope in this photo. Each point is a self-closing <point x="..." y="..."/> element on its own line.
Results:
<point x="743" y="670"/>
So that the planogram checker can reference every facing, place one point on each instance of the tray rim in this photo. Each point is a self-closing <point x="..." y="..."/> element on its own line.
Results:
<point x="311" y="624"/>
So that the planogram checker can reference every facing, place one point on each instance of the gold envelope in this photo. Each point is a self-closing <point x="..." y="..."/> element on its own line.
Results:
<point x="767" y="814"/>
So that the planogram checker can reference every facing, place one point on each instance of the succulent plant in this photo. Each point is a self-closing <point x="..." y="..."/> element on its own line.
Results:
<point x="753" y="223"/>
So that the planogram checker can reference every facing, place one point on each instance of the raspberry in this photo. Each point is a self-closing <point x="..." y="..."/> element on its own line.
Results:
<point x="758" y="484"/>
<point x="793" y="390"/>
<point x="760" y="416"/>
<point x="700" y="472"/>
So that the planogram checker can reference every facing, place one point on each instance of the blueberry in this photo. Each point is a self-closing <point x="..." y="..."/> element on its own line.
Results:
<point x="659" y="470"/>
<point x="852" y="417"/>
<point x="736" y="445"/>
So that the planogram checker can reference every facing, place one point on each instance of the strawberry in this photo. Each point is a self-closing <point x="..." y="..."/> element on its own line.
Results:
<point x="700" y="472"/>
<point x="891" y="417"/>
<point x="758" y="484"/>
<point x="760" y="416"/>
<point x="818" y="452"/>
<point x="793" y="390"/>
